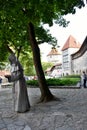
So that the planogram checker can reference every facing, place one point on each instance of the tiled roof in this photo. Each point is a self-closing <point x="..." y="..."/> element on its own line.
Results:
<point x="51" y="68"/>
<point x="54" y="51"/>
<point x="71" y="43"/>
<point x="4" y="72"/>
<point x="81" y="51"/>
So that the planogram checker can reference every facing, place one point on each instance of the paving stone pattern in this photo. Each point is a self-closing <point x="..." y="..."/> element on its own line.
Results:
<point x="70" y="113"/>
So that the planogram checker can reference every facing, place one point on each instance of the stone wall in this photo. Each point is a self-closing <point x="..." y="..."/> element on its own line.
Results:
<point x="79" y="59"/>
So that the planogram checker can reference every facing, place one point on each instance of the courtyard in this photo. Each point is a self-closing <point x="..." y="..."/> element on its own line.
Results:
<point x="70" y="113"/>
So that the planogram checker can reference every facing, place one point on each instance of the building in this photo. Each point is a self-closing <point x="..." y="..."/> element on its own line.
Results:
<point x="70" y="47"/>
<point x="79" y="59"/>
<point x="3" y="73"/>
<point x="74" y="58"/>
<point x="55" y="70"/>
<point x="54" y="56"/>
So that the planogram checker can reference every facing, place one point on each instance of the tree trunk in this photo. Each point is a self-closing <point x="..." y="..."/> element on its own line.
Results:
<point x="45" y="92"/>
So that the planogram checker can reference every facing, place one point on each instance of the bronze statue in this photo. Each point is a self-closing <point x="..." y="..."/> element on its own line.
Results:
<point x="21" y="101"/>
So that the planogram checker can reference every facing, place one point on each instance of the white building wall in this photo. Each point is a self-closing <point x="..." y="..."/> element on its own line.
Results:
<point x="66" y="60"/>
<point x="54" y="58"/>
<point x="57" y="71"/>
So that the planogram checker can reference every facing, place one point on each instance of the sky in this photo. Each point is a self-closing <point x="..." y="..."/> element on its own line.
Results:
<point x="77" y="28"/>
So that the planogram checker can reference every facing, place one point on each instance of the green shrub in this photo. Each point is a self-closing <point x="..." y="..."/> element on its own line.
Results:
<point x="56" y="82"/>
<point x="72" y="76"/>
<point x="32" y="82"/>
<point x="70" y="81"/>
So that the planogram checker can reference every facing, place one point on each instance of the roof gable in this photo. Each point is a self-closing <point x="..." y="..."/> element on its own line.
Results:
<point x="71" y="43"/>
<point x="54" y="51"/>
<point x="81" y="51"/>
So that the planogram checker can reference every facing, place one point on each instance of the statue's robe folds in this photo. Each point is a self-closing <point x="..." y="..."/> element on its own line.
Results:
<point x="20" y="94"/>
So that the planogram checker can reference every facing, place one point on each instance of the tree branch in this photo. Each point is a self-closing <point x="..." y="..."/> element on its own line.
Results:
<point x="9" y="49"/>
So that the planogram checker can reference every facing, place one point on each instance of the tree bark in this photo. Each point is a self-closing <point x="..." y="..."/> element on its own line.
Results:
<point x="46" y="95"/>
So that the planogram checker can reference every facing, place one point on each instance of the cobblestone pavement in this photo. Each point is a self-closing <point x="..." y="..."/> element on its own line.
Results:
<point x="70" y="113"/>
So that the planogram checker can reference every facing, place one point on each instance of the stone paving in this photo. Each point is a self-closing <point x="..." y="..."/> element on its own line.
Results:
<point x="70" y="113"/>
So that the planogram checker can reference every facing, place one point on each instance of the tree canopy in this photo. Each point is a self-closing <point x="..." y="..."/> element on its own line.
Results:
<point x="15" y="16"/>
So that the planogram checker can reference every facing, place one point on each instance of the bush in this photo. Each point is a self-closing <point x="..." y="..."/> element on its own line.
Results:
<point x="72" y="76"/>
<point x="32" y="82"/>
<point x="56" y="82"/>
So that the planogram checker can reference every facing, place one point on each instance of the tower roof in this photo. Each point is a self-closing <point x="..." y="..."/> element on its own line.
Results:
<point x="54" y="51"/>
<point x="71" y="43"/>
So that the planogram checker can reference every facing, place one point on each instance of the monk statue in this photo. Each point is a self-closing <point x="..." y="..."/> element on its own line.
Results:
<point x="20" y="94"/>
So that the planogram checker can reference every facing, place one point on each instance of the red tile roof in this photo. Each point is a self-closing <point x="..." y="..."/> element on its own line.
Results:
<point x="54" y="51"/>
<point x="71" y="43"/>
<point x="4" y="72"/>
